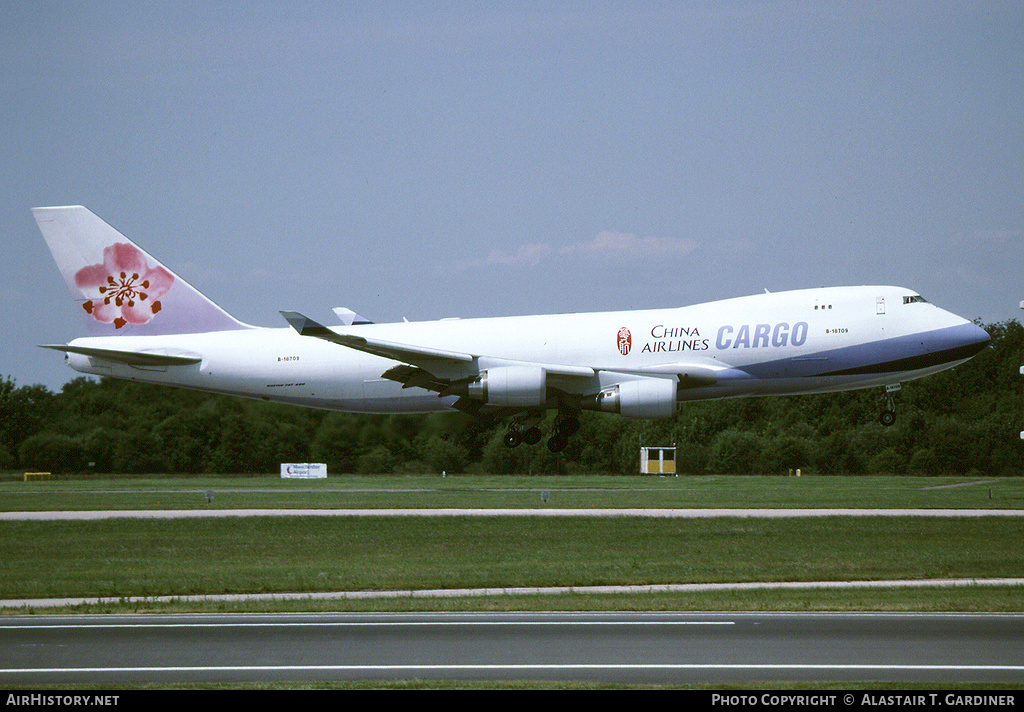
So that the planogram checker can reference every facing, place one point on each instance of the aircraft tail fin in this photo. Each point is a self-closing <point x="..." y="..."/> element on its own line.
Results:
<point x="120" y="289"/>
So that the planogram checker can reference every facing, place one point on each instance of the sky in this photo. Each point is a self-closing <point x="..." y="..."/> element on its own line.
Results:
<point x="424" y="160"/>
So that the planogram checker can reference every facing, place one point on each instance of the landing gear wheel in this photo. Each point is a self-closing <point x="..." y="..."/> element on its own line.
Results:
<point x="568" y="426"/>
<point x="565" y="426"/>
<point x="523" y="429"/>
<point x="557" y="442"/>
<point x="888" y="415"/>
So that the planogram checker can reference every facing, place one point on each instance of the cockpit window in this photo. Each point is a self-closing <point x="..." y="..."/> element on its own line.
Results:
<point x="914" y="298"/>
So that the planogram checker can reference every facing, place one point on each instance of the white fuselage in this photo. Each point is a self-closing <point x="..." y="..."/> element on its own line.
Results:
<point x="795" y="342"/>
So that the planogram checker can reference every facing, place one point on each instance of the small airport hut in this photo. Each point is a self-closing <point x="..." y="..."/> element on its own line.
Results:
<point x="657" y="460"/>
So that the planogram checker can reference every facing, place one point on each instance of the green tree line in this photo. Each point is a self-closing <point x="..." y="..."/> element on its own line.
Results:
<point x="962" y="421"/>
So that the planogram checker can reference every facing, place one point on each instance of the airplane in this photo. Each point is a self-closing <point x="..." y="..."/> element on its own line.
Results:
<point x="147" y="324"/>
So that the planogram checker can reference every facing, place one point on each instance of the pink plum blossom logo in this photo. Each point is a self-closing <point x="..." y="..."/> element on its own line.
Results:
<point x="128" y="289"/>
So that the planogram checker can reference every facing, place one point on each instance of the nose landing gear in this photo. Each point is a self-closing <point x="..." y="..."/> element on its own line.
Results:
<point x="888" y="415"/>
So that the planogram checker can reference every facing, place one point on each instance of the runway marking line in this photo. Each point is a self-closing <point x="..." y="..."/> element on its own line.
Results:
<point x="501" y="666"/>
<point x="338" y="624"/>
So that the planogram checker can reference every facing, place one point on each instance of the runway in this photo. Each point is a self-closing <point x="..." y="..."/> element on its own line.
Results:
<point x="644" y="648"/>
<point x="628" y="649"/>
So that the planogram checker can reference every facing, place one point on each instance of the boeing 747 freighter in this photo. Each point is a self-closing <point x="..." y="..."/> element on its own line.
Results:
<point x="147" y="324"/>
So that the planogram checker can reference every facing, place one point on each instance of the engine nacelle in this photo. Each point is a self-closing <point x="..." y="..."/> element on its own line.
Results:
<point x="511" y="387"/>
<point x="641" y="398"/>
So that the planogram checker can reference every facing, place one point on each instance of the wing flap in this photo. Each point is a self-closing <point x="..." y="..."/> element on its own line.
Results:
<point x="416" y="377"/>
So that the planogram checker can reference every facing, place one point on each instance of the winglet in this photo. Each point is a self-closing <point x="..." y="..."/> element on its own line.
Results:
<point x="306" y="326"/>
<point x="349" y="317"/>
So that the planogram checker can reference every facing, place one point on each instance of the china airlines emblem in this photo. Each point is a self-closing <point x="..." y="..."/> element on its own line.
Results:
<point x="625" y="341"/>
<point x="128" y="288"/>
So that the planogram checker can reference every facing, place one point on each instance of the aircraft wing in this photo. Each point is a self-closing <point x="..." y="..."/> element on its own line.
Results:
<point x="424" y="362"/>
<point x="456" y="373"/>
<point x="388" y="349"/>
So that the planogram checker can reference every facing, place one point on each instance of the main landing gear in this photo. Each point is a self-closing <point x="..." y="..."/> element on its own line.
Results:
<point x="565" y="426"/>
<point x="524" y="430"/>
<point x="888" y="415"/>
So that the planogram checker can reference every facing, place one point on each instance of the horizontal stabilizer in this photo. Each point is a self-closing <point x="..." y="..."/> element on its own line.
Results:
<point x="164" y="357"/>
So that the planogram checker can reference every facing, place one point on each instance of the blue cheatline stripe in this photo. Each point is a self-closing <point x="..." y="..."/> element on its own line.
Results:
<point x="903" y="353"/>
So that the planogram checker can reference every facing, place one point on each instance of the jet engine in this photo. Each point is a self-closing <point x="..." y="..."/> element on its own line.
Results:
<point x="511" y="387"/>
<point x="640" y="398"/>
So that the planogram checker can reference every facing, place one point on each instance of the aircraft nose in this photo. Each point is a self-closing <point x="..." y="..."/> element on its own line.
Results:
<point x="958" y="339"/>
<point x="975" y="339"/>
<point x="964" y="339"/>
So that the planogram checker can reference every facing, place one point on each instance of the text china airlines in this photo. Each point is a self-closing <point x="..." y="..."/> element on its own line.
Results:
<point x="686" y="338"/>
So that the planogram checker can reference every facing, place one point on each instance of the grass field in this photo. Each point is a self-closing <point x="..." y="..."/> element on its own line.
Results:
<point x="476" y="492"/>
<point x="140" y="557"/>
